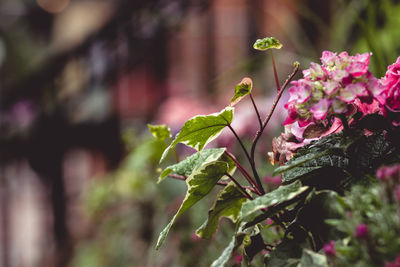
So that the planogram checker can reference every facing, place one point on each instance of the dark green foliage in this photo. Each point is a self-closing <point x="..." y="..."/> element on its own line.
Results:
<point x="285" y="254"/>
<point x="339" y="160"/>
<point x="228" y="204"/>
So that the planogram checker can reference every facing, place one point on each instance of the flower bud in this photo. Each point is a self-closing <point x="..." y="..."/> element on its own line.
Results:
<point x="362" y="231"/>
<point x="329" y="249"/>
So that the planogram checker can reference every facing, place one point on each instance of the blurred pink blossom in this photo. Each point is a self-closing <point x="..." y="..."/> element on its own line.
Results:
<point x="329" y="249"/>
<point x="362" y="231"/>
<point x="395" y="263"/>
<point x="238" y="258"/>
<point x="388" y="172"/>
<point x="277" y="180"/>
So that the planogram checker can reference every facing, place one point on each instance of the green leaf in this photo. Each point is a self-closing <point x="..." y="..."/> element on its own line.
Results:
<point x="373" y="152"/>
<point x="191" y="163"/>
<point x="236" y="241"/>
<point x="226" y="254"/>
<point x="321" y="157"/>
<point x="327" y="164"/>
<point x="285" y="254"/>
<point x="228" y="204"/>
<point x="161" y="132"/>
<point x="325" y="203"/>
<point x="267" y="43"/>
<point x="200" y="130"/>
<point x="300" y="160"/>
<point x="312" y="259"/>
<point x="278" y="196"/>
<point x="241" y="90"/>
<point x="199" y="184"/>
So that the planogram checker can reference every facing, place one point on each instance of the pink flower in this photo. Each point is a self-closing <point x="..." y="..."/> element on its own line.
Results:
<point x="292" y="113"/>
<point x="320" y="110"/>
<point x="195" y="237"/>
<point x="362" y="231"/>
<point x="300" y="92"/>
<point x="331" y="88"/>
<point x="238" y="259"/>
<point x="359" y="65"/>
<point x="328" y="58"/>
<point x="389" y="95"/>
<point x="367" y="108"/>
<point x="388" y="172"/>
<point x="329" y="249"/>
<point x="316" y="71"/>
<point x="395" y="263"/>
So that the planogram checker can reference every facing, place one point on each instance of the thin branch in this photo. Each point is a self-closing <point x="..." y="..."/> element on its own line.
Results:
<point x="275" y="72"/>
<point x="253" y="167"/>
<point x="255" y="108"/>
<point x="245" y="173"/>
<point x="343" y="119"/>
<point x="278" y="221"/>
<point x="278" y="96"/>
<point x="239" y="186"/>
<point x="240" y="142"/>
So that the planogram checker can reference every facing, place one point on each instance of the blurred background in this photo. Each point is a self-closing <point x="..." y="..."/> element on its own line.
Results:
<point x="79" y="81"/>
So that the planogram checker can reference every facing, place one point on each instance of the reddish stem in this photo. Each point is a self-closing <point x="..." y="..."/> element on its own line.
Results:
<point x="239" y="186"/>
<point x="278" y="96"/>
<point x="253" y="167"/>
<point x="255" y="108"/>
<point x="245" y="173"/>
<point x="275" y="72"/>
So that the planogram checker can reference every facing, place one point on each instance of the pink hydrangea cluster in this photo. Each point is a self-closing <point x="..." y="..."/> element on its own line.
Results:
<point x="389" y="94"/>
<point x="331" y="88"/>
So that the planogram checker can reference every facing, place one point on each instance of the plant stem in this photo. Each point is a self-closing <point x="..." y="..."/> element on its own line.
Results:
<point x="275" y="72"/>
<point x="278" y="96"/>
<point x="239" y="186"/>
<point x="245" y="173"/>
<point x="176" y="155"/>
<point x="240" y="142"/>
<point x="343" y="119"/>
<point x="253" y="167"/>
<point x="255" y="108"/>
<point x="278" y="221"/>
<point x="183" y="178"/>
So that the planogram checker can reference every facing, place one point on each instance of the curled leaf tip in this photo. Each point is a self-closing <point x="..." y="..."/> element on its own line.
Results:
<point x="267" y="43"/>
<point x="241" y="90"/>
<point x="296" y="64"/>
<point x="161" y="132"/>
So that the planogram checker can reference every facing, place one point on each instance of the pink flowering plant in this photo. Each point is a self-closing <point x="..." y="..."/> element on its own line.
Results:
<point x="331" y="89"/>
<point x="389" y="95"/>
<point x="331" y="199"/>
